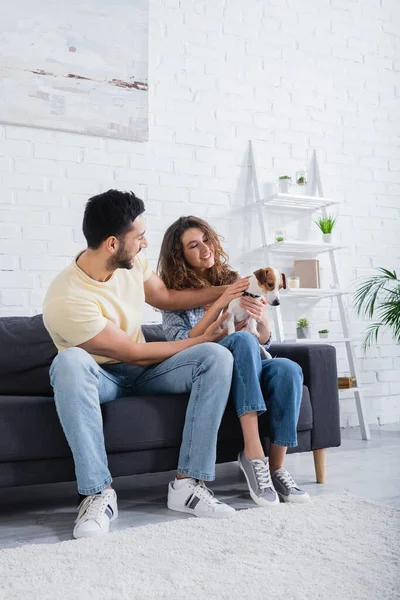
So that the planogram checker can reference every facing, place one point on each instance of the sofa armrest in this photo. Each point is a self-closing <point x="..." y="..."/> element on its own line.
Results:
<point x="318" y="362"/>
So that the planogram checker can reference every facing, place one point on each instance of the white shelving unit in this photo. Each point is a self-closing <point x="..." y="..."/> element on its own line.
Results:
<point x="290" y="202"/>
<point x="292" y="294"/>
<point x="335" y="340"/>
<point x="299" y="247"/>
<point x="305" y="204"/>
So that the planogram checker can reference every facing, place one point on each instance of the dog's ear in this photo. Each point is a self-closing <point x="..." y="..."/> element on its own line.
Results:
<point x="262" y="275"/>
<point x="282" y="283"/>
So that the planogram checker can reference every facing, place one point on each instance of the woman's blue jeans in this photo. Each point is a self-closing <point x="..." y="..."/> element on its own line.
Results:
<point x="258" y="385"/>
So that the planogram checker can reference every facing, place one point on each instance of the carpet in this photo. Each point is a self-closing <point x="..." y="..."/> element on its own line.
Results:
<point x="337" y="547"/>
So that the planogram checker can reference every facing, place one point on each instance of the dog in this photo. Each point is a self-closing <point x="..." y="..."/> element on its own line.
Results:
<point x="264" y="283"/>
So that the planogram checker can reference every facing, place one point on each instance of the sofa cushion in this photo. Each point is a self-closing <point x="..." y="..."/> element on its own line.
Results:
<point x="30" y="429"/>
<point x="26" y="353"/>
<point x="154" y="333"/>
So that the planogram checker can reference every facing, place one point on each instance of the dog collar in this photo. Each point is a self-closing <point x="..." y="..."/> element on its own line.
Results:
<point x="252" y="295"/>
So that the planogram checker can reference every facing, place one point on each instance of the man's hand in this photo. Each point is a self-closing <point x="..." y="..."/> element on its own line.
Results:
<point x="241" y="325"/>
<point x="215" y="331"/>
<point x="235" y="290"/>
<point x="254" y="307"/>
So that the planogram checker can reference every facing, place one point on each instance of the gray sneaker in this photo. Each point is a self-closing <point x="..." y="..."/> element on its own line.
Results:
<point x="287" y="488"/>
<point x="259" y="481"/>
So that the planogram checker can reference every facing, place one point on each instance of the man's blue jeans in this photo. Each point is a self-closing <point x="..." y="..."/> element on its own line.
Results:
<point x="81" y="386"/>
<point x="278" y="380"/>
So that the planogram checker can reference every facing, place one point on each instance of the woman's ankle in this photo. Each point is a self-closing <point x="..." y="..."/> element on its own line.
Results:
<point x="254" y="453"/>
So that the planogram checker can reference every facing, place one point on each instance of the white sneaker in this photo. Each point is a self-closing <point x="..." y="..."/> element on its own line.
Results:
<point x="95" y="514"/>
<point x="193" y="497"/>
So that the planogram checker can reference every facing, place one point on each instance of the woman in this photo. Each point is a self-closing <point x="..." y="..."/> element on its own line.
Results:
<point x="192" y="257"/>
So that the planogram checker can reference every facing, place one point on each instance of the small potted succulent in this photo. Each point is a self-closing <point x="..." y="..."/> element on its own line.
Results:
<point x="284" y="182"/>
<point x="279" y="238"/>
<point x="326" y="225"/>
<point x="323" y="333"/>
<point x="301" y="178"/>
<point x="303" y="329"/>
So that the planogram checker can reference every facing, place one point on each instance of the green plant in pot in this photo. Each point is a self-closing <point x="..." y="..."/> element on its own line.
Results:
<point x="378" y="297"/>
<point x="326" y="225"/>
<point x="303" y="329"/>
<point x="284" y="182"/>
<point x="323" y="333"/>
<point x="279" y="238"/>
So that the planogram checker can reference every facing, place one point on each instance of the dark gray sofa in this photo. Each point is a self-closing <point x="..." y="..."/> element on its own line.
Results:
<point x="142" y="434"/>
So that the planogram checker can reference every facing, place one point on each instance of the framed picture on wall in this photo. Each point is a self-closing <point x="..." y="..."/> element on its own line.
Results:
<point x="76" y="66"/>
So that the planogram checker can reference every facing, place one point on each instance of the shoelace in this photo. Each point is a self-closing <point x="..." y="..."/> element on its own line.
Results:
<point x="204" y="493"/>
<point x="285" y="478"/>
<point x="263" y="475"/>
<point x="93" y="506"/>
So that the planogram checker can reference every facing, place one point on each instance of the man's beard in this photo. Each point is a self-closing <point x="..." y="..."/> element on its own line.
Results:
<point x="121" y="260"/>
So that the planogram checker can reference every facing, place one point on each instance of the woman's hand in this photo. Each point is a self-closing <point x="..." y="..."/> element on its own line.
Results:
<point x="235" y="290"/>
<point x="255" y="307"/>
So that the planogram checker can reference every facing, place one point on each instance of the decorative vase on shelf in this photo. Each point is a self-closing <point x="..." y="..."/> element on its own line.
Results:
<point x="284" y="183"/>
<point x="301" y="178"/>
<point x="303" y="333"/>
<point x="327" y="237"/>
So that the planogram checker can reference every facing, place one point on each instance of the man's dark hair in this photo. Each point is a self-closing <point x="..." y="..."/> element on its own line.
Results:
<point x="110" y="213"/>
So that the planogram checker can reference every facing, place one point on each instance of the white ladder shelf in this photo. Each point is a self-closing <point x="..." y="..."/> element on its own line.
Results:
<point x="312" y="202"/>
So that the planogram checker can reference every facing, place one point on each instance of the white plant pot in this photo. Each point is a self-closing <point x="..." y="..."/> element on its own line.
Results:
<point x="303" y="333"/>
<point x="284" y="186"/>
<point x="323" y="336"/>
<point x="327" y="237"/>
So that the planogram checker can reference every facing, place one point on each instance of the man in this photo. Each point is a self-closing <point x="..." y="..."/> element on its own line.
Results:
<point x="93" y="311"/>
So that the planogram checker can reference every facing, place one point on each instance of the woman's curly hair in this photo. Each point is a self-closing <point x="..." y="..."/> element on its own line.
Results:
<point x="173" y="268"/>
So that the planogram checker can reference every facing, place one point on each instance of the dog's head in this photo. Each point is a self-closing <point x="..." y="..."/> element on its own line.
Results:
<point x="270" y="281"/>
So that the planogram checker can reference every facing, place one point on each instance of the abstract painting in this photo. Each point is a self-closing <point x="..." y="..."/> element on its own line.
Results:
<point x="76" y="66"/>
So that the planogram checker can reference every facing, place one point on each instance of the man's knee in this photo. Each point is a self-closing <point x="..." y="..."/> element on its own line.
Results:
<point x="70" y="361"/>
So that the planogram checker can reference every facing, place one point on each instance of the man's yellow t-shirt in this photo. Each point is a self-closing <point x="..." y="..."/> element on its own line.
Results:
<point x="76" y="307"/>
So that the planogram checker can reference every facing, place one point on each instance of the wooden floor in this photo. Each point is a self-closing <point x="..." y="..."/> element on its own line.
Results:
<point x="46" y="513"/>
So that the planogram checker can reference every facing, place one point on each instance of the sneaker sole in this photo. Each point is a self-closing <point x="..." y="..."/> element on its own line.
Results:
<point x="256" y="499"/>
<point x="295" y="499"/>
<point x="213" y="515"/>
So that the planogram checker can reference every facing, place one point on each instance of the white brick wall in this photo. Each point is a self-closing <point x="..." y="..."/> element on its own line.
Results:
<point x="292" y="76"/>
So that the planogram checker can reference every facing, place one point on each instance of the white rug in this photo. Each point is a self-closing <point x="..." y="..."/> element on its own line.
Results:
<point x="338" y="547"/>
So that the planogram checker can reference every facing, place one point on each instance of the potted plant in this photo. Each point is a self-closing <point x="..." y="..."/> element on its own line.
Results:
<point x="279" y="238"/>
<point x="284" y="182"/>
<point x="379" y="296"/>
<point x="323" y="333"/>
<point x="303" y="330"/>
<point x="301" y="178"/>
<point x="326" y="225"/>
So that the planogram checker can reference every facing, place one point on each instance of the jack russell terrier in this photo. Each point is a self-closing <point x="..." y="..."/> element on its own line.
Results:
<point x="264" y="283"/>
